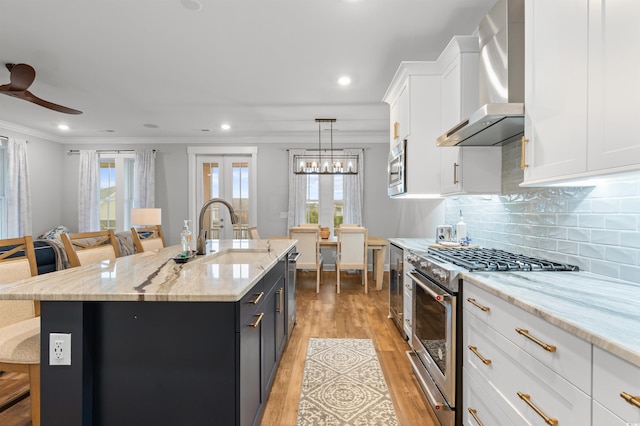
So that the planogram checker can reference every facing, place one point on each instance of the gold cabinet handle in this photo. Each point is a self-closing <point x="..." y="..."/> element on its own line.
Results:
<point x="474" y="414"/>
<point x="523" y="164"/>
<point x="455" y="173"/>
<point x="548" y="420"/>
<point x="545" y="346"/>
<point x="395" y="130"/>
<point x="475" y="303"/>
<point x="633" y="400"/>
<point x="257" y="299"/>
<point x="257" y="322"/>
<point x="475" y="351"/>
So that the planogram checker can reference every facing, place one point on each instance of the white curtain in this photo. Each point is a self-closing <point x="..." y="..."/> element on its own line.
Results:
<point x="353" y="191"/>
<point x="297" y="194"/>
<point x="145" y="180"/>
<point x="89" y="191"/>
<point x="19" y="191"/>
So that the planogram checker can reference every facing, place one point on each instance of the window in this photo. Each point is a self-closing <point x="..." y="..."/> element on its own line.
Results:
<point x="325" y="200"/>
<point x="116" y="191"/>
<point x="4" y="167"/>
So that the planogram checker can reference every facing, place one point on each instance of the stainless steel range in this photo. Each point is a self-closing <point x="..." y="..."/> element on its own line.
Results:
<point x="437" y="316"/>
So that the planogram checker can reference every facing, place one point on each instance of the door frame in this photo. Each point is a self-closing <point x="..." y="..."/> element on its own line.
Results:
<point x="194" y="151"/>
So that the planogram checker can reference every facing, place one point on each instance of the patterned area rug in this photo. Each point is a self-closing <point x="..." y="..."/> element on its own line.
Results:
<point x="343" y="384"/>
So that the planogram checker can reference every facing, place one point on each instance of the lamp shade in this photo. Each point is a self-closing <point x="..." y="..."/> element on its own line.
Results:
<point x="146" y="216"/>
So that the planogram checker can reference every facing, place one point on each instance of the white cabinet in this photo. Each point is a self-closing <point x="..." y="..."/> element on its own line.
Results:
<point x="414" y="100"/>
<point x="611" y="377"/>
<point x="467" y="169"/>
<point x="614" y="85"/>
<point x="581" y="87"/>
<point x="538" y="371"/>
<point x="555" y="89"/>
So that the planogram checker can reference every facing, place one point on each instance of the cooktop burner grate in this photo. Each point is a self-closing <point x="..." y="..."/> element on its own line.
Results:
<point x="483" y="259"/>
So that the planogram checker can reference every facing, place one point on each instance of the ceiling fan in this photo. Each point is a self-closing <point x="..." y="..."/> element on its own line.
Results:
<point x="21" y="77"/>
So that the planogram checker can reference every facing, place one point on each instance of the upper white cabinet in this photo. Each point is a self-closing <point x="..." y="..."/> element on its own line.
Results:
<point x="468" y="169"/>
<point x="555" y="89"/>
<point x="580" y="87"/>
<point x="614" y="85"/>
<point x="414" y="100"/>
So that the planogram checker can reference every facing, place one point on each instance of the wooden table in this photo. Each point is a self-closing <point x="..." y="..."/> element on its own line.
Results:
<point x="378" y="246"/>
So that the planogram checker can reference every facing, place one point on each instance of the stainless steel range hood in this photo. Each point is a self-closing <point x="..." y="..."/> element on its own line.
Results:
<point x="501" y="80"/>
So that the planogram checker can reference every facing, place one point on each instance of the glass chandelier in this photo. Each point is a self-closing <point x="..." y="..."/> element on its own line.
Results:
<point x="325" y="161"/>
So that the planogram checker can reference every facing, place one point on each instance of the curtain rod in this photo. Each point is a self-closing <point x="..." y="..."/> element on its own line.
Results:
<point x="324" y="149"/>
<point x="110" y="151"/>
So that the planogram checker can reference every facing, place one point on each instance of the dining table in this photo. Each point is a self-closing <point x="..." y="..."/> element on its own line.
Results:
<point x="378" y="247"/>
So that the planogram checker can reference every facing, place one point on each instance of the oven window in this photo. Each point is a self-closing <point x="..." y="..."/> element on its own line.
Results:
<point x="431" y="327"/>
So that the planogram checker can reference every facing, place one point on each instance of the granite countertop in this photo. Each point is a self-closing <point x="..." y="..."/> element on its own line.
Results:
<point x="604" y="311"/>
<point x="418" y="244"/>
<point x="231" y="269"/>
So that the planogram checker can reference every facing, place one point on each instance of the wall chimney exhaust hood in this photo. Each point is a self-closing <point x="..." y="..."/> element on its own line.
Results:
<point x="501" y="80"/>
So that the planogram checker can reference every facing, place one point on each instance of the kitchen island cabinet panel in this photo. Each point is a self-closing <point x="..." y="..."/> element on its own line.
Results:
<point x="165" y="363"/>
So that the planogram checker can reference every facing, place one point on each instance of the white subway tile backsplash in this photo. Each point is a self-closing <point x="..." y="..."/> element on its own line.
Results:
<point x="595" y="228"/>
<point x="605" y="237"/>
<point x="621" y="255"/>
<point x="630" y="273"/>
<point x="627" y="222"/>
<point x="591" y="221"/>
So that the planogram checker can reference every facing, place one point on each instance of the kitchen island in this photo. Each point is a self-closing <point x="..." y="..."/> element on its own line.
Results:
<point x="158" y="342"/>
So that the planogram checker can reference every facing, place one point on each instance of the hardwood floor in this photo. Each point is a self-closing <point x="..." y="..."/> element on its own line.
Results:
<point x="11" y="385"/>
<point x="350" y="314"/>
<point x="326" y="314"/>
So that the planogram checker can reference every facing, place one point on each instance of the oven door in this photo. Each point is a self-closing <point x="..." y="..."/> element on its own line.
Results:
<point x="434" y="328"/>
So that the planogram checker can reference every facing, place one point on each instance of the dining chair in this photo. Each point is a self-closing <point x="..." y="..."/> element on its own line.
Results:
<point x="85" y="248"/>
<point x="309" y="225"/>
<point x="352" y="252"/>
<point x="309" y="249"/>
<point x="253" y="233"/>
<point x="20" y="320"/>
<point x="148" y="238"/>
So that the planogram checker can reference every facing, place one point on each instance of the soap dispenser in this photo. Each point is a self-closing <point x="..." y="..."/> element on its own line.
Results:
<point x="461" y="229"/>
<point x="185" y="239"/>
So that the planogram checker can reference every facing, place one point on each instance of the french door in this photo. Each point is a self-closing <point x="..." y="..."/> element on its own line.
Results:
<point x="227" y="177"/>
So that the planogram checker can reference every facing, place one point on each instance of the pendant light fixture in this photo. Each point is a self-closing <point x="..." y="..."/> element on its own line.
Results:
<point x="325" y="161"/>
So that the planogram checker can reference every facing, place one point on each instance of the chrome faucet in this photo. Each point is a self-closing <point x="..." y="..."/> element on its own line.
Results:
<point x="200" y="243"/>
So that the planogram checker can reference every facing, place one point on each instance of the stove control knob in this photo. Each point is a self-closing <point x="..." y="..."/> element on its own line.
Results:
<point x="424" y="265"/>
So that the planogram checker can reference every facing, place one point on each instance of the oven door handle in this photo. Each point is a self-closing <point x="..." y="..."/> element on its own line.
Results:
<point x="438" y="297"/>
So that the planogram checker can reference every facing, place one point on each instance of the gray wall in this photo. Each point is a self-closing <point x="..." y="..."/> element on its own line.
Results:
<point x="44" y="159"/>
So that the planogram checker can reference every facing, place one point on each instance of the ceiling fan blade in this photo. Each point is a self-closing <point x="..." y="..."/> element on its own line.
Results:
<point x="28" y="96"/>
<point x="22" y="75"/>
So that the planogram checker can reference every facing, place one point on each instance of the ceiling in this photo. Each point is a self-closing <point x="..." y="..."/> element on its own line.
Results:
<point x="266" y="67"/>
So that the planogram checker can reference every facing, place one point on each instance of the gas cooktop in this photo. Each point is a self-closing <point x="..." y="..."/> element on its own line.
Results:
<point x="483" y="259"/>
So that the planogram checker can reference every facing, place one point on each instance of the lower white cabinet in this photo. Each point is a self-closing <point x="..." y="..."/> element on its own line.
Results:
<point x="529" y="391"/>
<point x="547" y="375"/>
<point x="614" y="377"/>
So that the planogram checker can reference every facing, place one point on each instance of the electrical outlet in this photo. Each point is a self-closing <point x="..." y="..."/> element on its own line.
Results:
<point x="59" y="348"/>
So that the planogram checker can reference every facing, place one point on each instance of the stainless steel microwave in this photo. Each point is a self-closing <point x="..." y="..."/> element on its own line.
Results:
<point x="396" y="170"/>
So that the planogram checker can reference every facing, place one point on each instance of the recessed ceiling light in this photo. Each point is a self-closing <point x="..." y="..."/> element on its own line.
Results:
<point x="345" y="80"/>
<point x="225" y="126"/>
<point x="191" y="4"/>
<point x="63" y="127"/>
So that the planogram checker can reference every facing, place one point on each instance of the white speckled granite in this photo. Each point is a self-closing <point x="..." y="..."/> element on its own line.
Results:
<point x="417" y="244"/>
<point x="601" y="310"/>
<point x="222" y="276"/>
